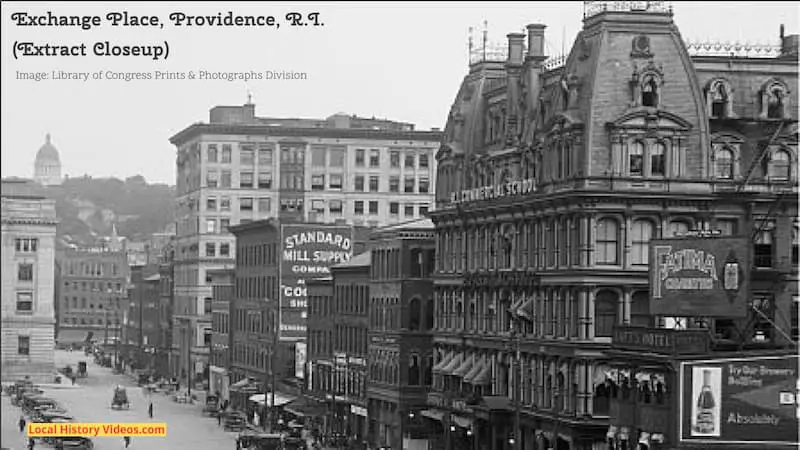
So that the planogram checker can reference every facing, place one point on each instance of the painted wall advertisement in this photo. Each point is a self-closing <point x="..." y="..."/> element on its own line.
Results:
<point x="699" y="276"/>
<point x="740" y="401"/>
<point x="308" y="252"/>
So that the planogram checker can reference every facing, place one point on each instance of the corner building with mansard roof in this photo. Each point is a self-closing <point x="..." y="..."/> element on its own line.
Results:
<point x="553" y="176"/>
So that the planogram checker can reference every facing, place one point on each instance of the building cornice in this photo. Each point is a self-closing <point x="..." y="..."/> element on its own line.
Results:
<point x="28" y="221"/>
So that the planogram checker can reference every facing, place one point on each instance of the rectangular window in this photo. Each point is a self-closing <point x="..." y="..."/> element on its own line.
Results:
<point x="246" y="156"/>
<point x="25" y="272"/>
<point x="423" y="210"/>
<point x="26" y="245"/>
<point x="211" y="225"/>
<point x="394" y="159"/>
<point x="424" y="185"/>
<point x="224" y="224"/>
<point x="298" y="155"/>
<point x="264" y="204"/>
<point x="286" y="155"/>
<point x="394" y="208"/>
<point x="25" y="302"/>
<point x="359" y="187"/>
<point x="423" y="161"/>
<point x="226" y="178"/>
<point x="318" y="206"/>
<point x="360" y="155"/>
<point x="225" y="204"/>
<point x="358" y="207"/>
<point x="23" y="345"/>
<point x="409" y="160"/>
<point x="226" y="154"/>
<point x="394" y="184"/>
<point x="265" y="180"/>
<point x="246" y="204"/>
<point x="245" y="179"/>
<point x="211" y="153"/>
<point x="336" y="156"/>
<point x="317" y="182"/>
<point x="212" y="178"/>
<point x="409" y="185"/>
<point x="211" y="249"/>
<point x="211" y="204"/>
<point x="335" y="181"/>
<point x="373" y="207"/>
<point x="335" y="206"/>
<point x="374" y="182"/>
<point x="318" y="156"/>
<point x="224" y="249"/>
<point x="408" y="211"/>
<point x="374" y="158"/>
<point x="265" y="157"/>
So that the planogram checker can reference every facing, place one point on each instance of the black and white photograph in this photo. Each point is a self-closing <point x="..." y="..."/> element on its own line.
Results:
<point x="400" y="225"/>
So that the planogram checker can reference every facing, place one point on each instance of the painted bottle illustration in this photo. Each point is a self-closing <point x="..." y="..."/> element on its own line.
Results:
<point x="731" y="277"/>
<point x="704" y="422"/>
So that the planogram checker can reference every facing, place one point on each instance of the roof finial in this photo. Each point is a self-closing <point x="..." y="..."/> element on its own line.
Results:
<point x="47" y="138"/>
<point x="249" y="97"/>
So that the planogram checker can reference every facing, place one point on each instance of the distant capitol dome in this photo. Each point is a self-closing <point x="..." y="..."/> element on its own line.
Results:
<point x="47" y="168"/>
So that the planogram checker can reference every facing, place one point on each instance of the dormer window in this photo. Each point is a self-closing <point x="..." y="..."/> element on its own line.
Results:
<point x="719" y="100"/>
<point x="650" y="93"/>
<point x="775" y="103"/>
<point x="774" y="100"/>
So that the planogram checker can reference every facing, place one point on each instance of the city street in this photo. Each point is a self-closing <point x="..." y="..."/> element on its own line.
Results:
<point x="90" y="401"/>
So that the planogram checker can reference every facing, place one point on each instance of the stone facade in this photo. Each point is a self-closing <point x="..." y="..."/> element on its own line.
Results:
<point x="552" y="181"/>
<point x="28" y="267"/>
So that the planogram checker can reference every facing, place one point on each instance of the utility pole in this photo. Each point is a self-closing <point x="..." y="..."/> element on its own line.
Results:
<point x="518" y="384"/>
<point x="189" y="360"/>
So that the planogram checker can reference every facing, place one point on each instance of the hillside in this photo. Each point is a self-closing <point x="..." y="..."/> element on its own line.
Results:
<point x="90" y="207"/>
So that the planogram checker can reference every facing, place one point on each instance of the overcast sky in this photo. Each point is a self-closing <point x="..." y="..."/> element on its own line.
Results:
<point x="402" y="61"/>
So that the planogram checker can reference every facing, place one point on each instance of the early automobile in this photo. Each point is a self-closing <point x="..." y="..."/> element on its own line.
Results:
<point x="72" y="443"/>
<point x="212" y="405"/>
<point x="120" y="399"/>
<point x="260" y="441"/>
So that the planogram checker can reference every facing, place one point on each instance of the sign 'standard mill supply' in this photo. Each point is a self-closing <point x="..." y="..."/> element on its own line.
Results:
<point x="307" y="251"/>
<point x="750" y="401"/>
<point x="699" y="276"/>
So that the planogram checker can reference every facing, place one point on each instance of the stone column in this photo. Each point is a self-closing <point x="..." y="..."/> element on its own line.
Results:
<point x="590" y="312"/>
<point x="626" y="306"/>
<point x="583" y="320"/>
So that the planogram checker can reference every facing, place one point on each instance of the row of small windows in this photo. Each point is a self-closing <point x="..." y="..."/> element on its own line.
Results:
<point x="320" y="156"/>
<point x="93" y="286"/>
<point x="26" y="245"/>
<point x="89" y="321"/>
<point x="776" y="166"/>
<point x="773" y="101"/>
<point x="111" y="304"/>
<point x="224" y="249"/>
<point x="411" y="184"/>
<point x="247" y="180"/>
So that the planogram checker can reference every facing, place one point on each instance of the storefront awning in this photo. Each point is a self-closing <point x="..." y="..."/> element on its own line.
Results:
<point x="443" y="363"/>
<point x="263" y="399"/>
<point x="463" y="422"/>
<point x="71" y="336"/>
<point x="474" y="372"/>
<point x="435" y="414"/>
<point x="484" y="377"/>
<point x="453" y="365"/>
<point x="464" y="368"/>
<point x="240" y="384"/>
<point x="303" y="407"/>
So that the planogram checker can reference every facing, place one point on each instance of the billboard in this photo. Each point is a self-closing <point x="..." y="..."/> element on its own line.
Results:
<point x="740" y="401"/>
<point x="699" y="277"/>
<point x="307" y="251"/>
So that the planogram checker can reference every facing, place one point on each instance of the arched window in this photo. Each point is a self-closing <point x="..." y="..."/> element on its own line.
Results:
<point x="641" y="233"/>
<point x="762" y="250"/>
<point x="414" y="314"/>
<point x="413" y="370"/>
<point x="605" y="312"/>
<point x="775" y="102"/>
<point x="428" y="371"/>
<point x="723" y="163"/>
<point x="650" y="92"/>
<point x="657" y="160"/>
<point x="779" y="166"/>
<point x="636" y="159"/>
<point x="427" y="314"/>
<point x="607" y="242"/>
<point x="718" y="97"/>
<point x="640" y="309"/>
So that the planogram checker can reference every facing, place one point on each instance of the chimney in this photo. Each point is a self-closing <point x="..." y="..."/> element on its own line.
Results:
<point x="514" y="63"/>
<point x="533" y="63"/>
<point x="516" y="45"/>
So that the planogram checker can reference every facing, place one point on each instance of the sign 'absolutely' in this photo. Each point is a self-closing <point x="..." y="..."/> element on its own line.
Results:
<point x="740" y="401"/>
<point x="307" y="252"/>
<point x="699" y="277"/>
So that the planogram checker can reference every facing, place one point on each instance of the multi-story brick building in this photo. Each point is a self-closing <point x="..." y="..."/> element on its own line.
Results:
<point x="239" y="168"/>
<point x="92" y="294"/>
<point x="554" y="176"/>
<point x="28" y="253"/>
<point x="321" y="363"/>
<point x="142" y="334"/>
<point x="221" y="336"/>
<point x="165" y="308"/>
<point x="401" y="326"/>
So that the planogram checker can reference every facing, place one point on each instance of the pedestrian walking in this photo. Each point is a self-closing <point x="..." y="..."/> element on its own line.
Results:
<point x="22" y="424"/>
<point x="150" y="410"/>
<point x="31" y="443"/>
<point x="127" y="440"/>
<point x="219" y="418"/>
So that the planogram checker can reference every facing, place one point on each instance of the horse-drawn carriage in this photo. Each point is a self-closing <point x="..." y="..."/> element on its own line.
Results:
<point x="120" y="399"/>
<point x="260" y="441"/>
<point x="212" y="406"/>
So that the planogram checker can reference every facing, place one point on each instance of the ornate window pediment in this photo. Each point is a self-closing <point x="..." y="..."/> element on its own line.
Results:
<point x="719" y="98"/>
<point x="646" y="85"/>
<point x="774" y="99"/>
<point x="660" y="120"/>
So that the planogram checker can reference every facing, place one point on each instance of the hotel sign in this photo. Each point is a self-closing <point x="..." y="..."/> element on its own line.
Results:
<point x="699" y="277"/>
<point x="510" y="189"/>
<point x="661" y="340"/>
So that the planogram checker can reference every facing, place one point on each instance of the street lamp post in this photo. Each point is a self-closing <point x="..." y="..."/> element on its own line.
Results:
<point x="189" y="360"/>
<point x="517" y="334"/>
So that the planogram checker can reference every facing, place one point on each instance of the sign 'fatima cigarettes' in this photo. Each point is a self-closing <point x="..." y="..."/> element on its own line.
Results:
<point x="509" y="189"/>
<point x="307" y="251"/>
<point x="699" y="277"/>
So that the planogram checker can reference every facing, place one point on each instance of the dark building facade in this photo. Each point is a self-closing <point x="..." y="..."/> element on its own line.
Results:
<point x="143" y="333"/>
<point x="165" y="308"/>
<point x="92" y="295"/>
<point x="221" y="337"/>
<point x="553" y="178"/>
<point x="400" y="338"/>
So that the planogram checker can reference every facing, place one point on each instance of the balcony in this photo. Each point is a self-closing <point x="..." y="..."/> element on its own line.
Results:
<point x="661" y="340"/>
